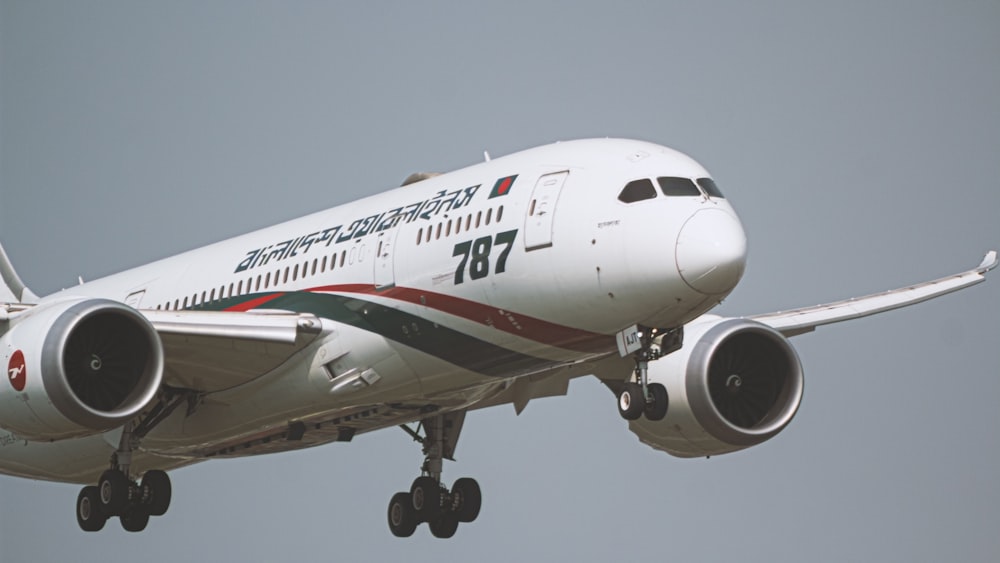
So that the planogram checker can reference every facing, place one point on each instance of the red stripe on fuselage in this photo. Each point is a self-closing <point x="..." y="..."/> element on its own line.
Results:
<point x="541" y="331"/>
<point x="255" y="303"/>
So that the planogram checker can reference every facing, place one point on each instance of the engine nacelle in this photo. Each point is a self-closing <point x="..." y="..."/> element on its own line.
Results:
<point x="734" y="384"/>
<point x="76" y="368"/>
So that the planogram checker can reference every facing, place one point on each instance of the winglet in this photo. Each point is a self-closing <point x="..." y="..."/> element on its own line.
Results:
<point x="989" y="262"/>
<point x="11" y="285"/>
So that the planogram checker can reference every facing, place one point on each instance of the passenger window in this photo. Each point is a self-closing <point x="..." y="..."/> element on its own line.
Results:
<point x="678" y="186"/>
<point x="710" y="188"/>
<point x="637" y="190"/>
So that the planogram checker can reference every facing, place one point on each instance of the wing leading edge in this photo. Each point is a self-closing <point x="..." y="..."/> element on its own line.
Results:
<point x="806" y="319"/>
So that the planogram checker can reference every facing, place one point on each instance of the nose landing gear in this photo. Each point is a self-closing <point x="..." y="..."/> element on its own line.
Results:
<point x="637" y="396"/>
<point x="428" y="500"/>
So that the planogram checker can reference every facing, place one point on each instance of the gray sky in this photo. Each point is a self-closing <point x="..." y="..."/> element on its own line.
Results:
<point x="859" y="142"/>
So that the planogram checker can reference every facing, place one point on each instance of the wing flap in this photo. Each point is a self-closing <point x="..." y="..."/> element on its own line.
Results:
<point x="211" y="351"/>
<point x="806" y="319"/>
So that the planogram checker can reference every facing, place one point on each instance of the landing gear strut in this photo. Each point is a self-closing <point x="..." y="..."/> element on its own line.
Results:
<point x="637" y="396"/>
<point x="428" y="499"/>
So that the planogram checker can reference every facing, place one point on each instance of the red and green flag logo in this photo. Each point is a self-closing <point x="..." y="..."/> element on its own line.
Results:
<point x="502" y="187"/>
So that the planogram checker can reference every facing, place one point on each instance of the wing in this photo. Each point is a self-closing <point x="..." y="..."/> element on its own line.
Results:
<point x="806" y="319"/>
<point x="211" y="351"/>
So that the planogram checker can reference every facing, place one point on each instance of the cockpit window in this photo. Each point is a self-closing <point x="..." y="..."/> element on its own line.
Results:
<point x="710" y="188"/>
<point x="637" y="190"/>
<point x="678" y="186"/>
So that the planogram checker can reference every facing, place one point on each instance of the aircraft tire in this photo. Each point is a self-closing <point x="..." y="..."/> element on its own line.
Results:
<point x="631" y="403"/>
<point x="402" y="518"/>
<point x="134" y="519"/>
<point x="471" y="499"/>
<point x="426" y="498"/>
<point x="444" y="525"/>
<point x="157" y="489"/>
<point x="113" y="492"/>
<point x="657" y="409"/>
<point x="88" y="510"/>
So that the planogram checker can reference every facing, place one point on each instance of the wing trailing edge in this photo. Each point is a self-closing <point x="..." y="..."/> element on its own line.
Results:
<point x="211" y="351"/>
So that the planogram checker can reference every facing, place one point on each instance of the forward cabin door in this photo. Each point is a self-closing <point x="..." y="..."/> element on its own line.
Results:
<point x="542" y="210"/>
<point x="385" y="275"/>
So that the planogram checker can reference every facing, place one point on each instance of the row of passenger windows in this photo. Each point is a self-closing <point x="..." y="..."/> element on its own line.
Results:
<point x="642" y="189"/>
<point x="261" y="281"/>
<point x="458" y="224"/>
<point x="320" y="265"/>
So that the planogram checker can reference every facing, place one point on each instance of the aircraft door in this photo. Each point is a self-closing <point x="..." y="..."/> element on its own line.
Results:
<point x="385" y="275"/>
<point x="542" y="210"/>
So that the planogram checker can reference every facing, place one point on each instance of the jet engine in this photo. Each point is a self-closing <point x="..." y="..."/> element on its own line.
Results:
<point x="735" y="383"/>
<point x="76" y="368"/>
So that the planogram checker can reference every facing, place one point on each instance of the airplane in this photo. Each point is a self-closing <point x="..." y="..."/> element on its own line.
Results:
<point x="491" y="285"/>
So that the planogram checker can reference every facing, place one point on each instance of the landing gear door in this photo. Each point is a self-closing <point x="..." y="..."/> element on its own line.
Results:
<point x="542" y="210"/>
<point x="385" y="276"/>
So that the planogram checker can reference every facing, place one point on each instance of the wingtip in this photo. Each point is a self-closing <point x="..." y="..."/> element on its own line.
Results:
<point x="989" y="262"/>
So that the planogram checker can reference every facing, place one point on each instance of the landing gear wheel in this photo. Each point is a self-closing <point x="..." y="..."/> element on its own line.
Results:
<point x="631" y="402"/>
<point x="88" y="510"/>
<point x="156" y="492"/>
<point x="402" y="518"/>
<point x="113" y="488"/>
<point x="134" y="519"/>
<point x="468" y="499"/>
<point x="426" y="497"/>
<point x="656" y="409"/>
<point x="444" y="525"/>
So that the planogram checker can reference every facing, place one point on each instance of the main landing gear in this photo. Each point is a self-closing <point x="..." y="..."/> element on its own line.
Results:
<point x="637" y="396"/>
<point x="428" y="500"/>
<point x="117" y="493"/>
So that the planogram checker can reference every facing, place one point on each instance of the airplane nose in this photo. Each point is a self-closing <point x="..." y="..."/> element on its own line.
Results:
<point x="711" y="251"/>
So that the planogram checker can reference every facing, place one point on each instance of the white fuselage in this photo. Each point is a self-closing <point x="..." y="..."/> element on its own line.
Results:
<point x="448" y="289"/>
